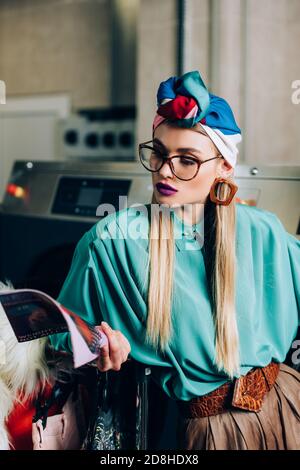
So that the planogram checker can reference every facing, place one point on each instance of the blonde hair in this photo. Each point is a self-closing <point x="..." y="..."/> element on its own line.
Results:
<point x="220" y="261"/>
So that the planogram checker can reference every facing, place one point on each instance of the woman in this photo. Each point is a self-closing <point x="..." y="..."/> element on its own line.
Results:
<point x="204" y="290"/>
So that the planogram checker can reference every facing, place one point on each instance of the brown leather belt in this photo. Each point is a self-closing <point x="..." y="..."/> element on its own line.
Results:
<point x="246" y="392"/>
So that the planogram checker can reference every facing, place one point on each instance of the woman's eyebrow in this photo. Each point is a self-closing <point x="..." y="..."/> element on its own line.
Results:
<point x="184" y="149"/>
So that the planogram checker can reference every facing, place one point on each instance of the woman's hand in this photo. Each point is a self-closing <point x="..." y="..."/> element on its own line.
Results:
<point x="115" y="352"/>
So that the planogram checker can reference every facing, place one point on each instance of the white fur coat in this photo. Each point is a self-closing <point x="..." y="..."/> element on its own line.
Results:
<point x="22" y="367"/>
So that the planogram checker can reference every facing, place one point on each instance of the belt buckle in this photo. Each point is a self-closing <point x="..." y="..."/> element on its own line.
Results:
<point x="244" y="398"/>
<point x="250" y="389"/>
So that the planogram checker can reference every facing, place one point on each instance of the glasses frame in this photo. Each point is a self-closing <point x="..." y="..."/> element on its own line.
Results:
<point x="169" y="161"/>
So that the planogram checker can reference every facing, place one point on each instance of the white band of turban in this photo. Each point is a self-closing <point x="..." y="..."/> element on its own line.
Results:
<point x="226" y="144"/>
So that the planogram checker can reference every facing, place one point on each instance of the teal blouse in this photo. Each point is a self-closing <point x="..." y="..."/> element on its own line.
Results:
<point x="108" y="281"/>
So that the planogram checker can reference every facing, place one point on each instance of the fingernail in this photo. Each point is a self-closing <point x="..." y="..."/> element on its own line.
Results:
<point x="104" y="323"/>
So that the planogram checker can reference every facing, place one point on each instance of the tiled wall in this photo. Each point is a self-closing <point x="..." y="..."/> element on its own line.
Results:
<point x="51" y="46"/>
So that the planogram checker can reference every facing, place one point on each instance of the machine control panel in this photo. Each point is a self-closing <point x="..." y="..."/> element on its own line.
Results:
<point x="82" y="196"/>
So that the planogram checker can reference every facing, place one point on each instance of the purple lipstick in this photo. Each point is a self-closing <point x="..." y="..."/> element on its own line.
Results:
<point x="165" y="189"/>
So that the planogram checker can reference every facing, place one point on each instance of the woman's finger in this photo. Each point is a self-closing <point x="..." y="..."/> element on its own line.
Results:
<point x="103" y="361"/>
<point x="124" y="341"/>
<point x="114" y="346"/>
<point x="116" y="352"/>
<point x="125" y="345"/>
<point x="123" y="355"/>
<point x="124" y="348"/>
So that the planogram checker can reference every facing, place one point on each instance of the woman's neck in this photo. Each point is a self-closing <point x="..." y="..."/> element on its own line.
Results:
<point x="190" y="213"/>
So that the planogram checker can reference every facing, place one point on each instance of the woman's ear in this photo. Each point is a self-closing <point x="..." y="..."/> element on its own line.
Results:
<point x="224" y="169"/>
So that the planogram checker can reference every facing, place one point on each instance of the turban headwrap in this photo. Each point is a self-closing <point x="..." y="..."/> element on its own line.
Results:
<point x="186" y="101"/>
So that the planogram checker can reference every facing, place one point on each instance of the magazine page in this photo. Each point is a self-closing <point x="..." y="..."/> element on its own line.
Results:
<point x="34" y="314"/>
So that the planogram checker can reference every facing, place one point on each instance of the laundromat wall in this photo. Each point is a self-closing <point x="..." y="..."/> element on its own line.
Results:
<point x="81" y="80"/>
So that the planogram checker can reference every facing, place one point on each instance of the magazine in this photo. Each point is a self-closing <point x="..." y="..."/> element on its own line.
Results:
<point x="34" y="314"/>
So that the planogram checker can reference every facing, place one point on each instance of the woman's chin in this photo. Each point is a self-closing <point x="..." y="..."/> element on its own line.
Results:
<point x="170" y="201"/>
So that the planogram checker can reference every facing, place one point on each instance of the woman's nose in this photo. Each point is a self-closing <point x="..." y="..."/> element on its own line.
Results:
<point x="165" y="170"/>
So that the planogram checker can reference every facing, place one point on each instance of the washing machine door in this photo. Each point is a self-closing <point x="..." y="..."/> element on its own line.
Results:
<point x="36" y="252"/>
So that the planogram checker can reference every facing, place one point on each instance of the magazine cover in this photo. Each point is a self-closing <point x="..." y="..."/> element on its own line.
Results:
<point x="34" y="314"/>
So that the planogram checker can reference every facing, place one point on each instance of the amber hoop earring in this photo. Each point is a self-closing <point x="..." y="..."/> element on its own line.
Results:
<point x="215" y="199"/>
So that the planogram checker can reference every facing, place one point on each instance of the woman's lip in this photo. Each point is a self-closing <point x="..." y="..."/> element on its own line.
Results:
<point x="165" y="190"/>
<point x="166" y="187"/>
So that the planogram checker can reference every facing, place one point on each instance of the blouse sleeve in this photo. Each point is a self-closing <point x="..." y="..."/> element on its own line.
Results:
<point x="293" y="245"/>
<point x="101" y="285"/>
<point x="292" y="248"/>
<point x="80" y="292"/>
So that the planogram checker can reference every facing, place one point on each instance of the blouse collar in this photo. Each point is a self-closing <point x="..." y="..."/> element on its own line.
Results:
<point x="188" y="237"/>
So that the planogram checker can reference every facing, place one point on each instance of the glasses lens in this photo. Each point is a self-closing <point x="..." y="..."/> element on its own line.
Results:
<point x="151" y="158"/>
<point x="185" y="167"/>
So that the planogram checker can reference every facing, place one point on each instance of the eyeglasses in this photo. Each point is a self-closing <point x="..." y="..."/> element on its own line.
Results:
<point x="184" y="167"/>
